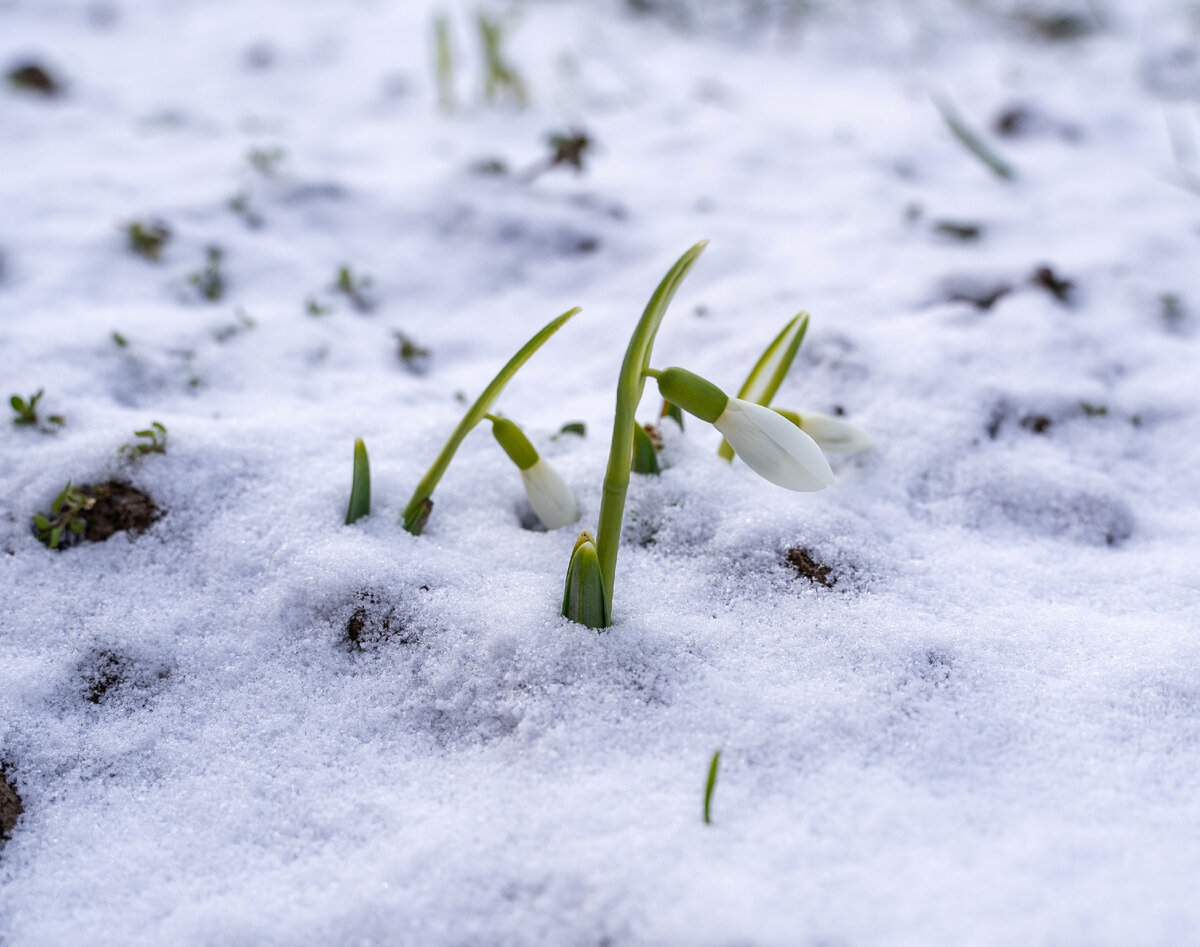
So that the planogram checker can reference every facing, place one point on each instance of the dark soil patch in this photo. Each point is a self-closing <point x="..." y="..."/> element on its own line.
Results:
<point x="1061" y="289"/>
<point x="961" y="231"/>
<point x="374" y="621"/>
<point x="108" y="675"/>
<point x="108" y="672"/>
<point x="33" y="77"/>
<point x="1036" y="423"/>
<point x="809" y="568"/>
<point x="10" y="806"/>
<point x="119" y="506"/>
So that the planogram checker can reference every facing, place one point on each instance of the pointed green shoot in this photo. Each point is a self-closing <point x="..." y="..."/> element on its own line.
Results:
<point x="360" y="487"/>
<point x="584" y="600"/>
<point x="645" y="456"/>
<point x="416" y="514"/>
<point x="630" y="385"/>
<point x="772" y="366"/>
<point x="710" y="785"/>
<point x="972" y="142"/>
<point x="444" y="62"/>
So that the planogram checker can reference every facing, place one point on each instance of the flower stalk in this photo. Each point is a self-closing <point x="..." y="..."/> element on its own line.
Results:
<point x="630" y="385"/>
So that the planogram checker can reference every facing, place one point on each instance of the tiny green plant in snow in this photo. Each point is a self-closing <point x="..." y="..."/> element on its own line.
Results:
<point x="972" y="141"/>
<point x="710" y="785"/>
<point x="360" y="486"/>
<point x="266" y="161"/>
<point x="151" y="440"/>
<point x="147" y="239"/>
<point x="27" y="413"/>
<point x="443" y="69"/>
<point x="355" y="288"/>
<point x="66" y="514"/>
<point x="501" y="80"/>
<point x="546" y="491"/>
<point x="210" y="281"/>
<point x="775" y="447"/>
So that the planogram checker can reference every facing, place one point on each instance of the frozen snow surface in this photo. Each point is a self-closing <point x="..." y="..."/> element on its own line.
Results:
<point x="252" y="724"/>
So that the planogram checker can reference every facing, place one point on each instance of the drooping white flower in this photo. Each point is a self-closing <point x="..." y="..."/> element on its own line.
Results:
<point x="552" y="500"/>
<point x="832" y="434"/>
<point x="773" y="447"/>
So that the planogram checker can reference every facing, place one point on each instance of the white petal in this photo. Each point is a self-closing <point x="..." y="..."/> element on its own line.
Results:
<point x="549" y="495"/>
<point x="774" y="447"/>
<point x="834" y="434"/>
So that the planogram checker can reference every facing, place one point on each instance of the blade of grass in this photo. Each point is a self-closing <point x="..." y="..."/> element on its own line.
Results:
<point x="710" y="785"/>
<point x="971" y="141"/>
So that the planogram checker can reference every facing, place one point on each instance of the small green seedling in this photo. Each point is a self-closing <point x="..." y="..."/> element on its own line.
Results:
<point x="66" y="514"/>
<point x="27" y="414"/>
<point x="970" y="140"/>
<point x="244" y="323"/>
<point x="710" y="784"/>
<point x="119" y="340"/>
<point x="314" y="307"/>
<point x="354" y="288"/>
<point x="414" y="357"/>
<point x="210" y="282"/>
<point x="153" y="440"/>
<point x="443" y="58"/>
<point x="240" y="205"/>
<point x="266" y="161"/>
<point x="571" y="427"/>
<point x="360" y="486"/>
<point x="148" y="239"/>
<point x="501" y="81"/>
<point x="420" y="505"/>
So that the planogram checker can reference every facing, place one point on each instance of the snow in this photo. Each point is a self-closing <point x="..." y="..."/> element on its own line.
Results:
<point x="986" y="732"/>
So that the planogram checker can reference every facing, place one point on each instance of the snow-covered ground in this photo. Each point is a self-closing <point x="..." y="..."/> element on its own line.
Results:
<point x="987" y="731"/>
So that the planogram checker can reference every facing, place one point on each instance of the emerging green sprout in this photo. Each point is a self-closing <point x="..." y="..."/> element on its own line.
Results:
<point x="549" y="495"/>
<point x="416" y="514"/>
<point x="500" y="80"/>
<point x="210" y="281"/>
<point x="266" y="161"/>
<point x="153" y="440"/>
<point x="27" y="415"/>
<point x="584" y="597"/>
<point x="65" y="515"/>
<point x="710" y="784"/>
<point x="354" y="288"/>
<point x="972" y="142"/>
<point x="443" y="63"/>
<point x="414" y="357"/>
<point x="567" y="149"/>
<point x="360" y="487"/>
<point x="148" y="239"/>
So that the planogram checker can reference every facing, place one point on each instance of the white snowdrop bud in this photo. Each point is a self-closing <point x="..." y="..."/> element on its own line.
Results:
<point x="552" y="500"/>
<point x="830" y="433"/>
<point x="773" y="447"/>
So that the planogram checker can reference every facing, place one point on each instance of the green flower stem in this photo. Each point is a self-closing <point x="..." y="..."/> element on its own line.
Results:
<point x="417" y="510"/>
<point x="630" y="385"/>
<point x="768" y="372"/>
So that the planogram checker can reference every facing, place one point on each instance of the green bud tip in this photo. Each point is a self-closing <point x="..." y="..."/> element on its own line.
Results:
<point x="694" y="394"/>
<point x="514" y="442"/>
<point x="584" y="598"/>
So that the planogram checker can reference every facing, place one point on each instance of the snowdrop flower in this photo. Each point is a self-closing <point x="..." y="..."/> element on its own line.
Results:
<point x="771" y="445"/>
<point x="549" y="495"/>
<point x="830" y="433"/>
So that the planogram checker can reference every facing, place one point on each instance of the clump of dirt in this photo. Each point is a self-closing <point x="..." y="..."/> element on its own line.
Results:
<point x="107" y="675"/>
<point x="375" y="620"/>
<point x="10" y="806"/>
<point x="34" y="77"/>
<point x="1061" y="289"/>
<point x="108" y="672"/>
<point x="809" y="568"/>
<point x="1036" y="423"/>
<point x="119" y="506"/>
